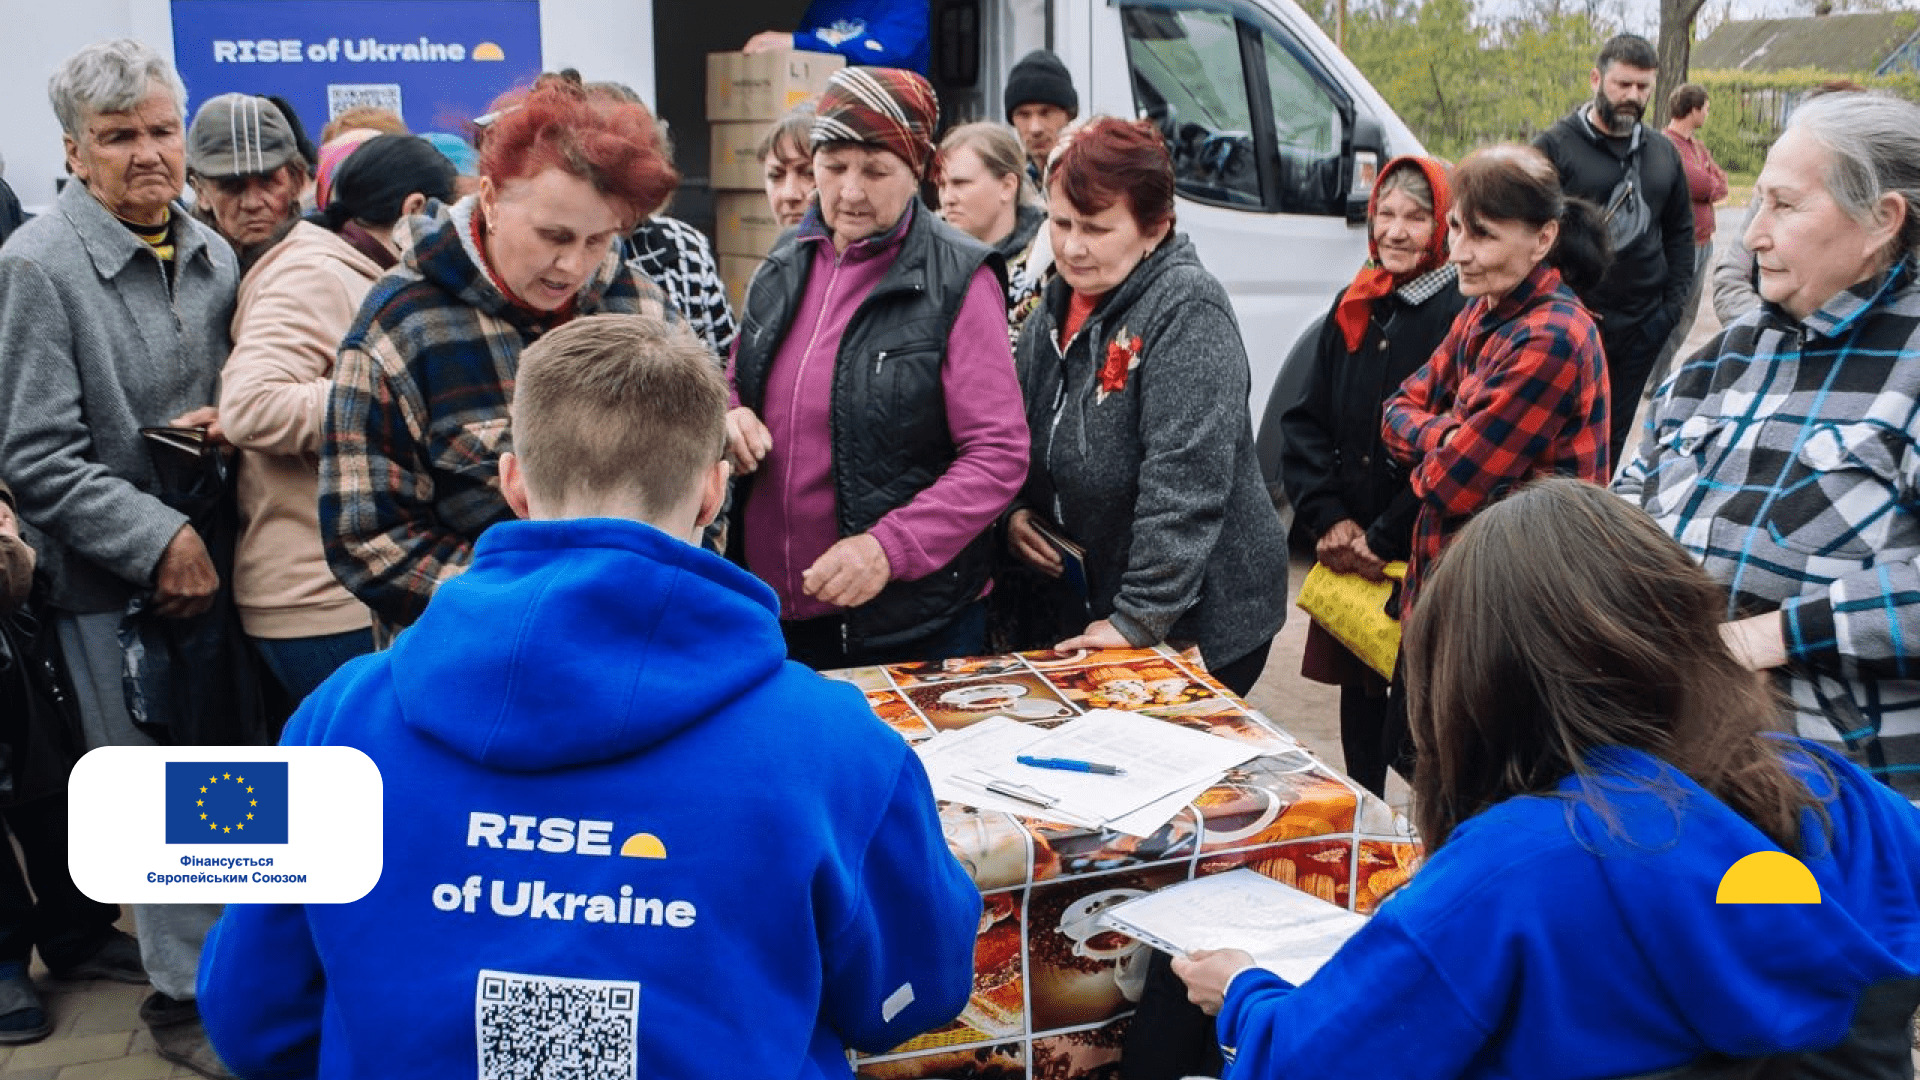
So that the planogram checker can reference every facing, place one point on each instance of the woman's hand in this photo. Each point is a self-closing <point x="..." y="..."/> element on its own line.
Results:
<point x="1759" y="643"/>
<point x="1335" y="549"/>
<point x="9" y="524"/>
<point x="1207" y="973"/>
<point x="1364" y="561"/>
<point x="748" y="440"/>
<point x="1099" y="634"/>
<point x="206" y="416"/>
<point x="1027" y="545"/>
<point x="851" y="572"/>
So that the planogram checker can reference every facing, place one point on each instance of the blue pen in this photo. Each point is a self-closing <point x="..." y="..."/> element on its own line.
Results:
<point x="1070" y="765"/>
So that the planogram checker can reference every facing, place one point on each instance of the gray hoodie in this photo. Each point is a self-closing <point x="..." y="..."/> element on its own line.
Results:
<point x="1158" y="479"/>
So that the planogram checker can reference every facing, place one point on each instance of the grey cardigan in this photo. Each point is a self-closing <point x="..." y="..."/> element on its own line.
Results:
<point x="96" y="343"/>
<point x="1158" y="480"/>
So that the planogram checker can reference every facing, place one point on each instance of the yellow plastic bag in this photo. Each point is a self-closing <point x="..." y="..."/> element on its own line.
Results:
<point x="1354" y="610"/>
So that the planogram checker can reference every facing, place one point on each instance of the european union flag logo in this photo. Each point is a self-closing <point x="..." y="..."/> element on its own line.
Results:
<point x="226" y="802"/>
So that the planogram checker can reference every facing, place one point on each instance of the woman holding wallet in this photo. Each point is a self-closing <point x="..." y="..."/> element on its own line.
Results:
<point x="1348" y="493"/>
<point x="1135" y="381"/>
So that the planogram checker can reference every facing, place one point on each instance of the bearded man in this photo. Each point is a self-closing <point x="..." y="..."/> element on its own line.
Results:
<point x="1604" y="154"/>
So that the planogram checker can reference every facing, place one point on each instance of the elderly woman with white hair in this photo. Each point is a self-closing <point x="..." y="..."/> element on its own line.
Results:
<point x="114" y="314"/>
<point x="1786" y="454"/>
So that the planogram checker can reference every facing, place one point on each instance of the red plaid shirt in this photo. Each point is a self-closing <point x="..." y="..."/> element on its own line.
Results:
<point x="1517" y="390"/>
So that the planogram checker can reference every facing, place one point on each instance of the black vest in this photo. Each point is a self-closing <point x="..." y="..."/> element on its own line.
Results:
<point x="889" y="411"/>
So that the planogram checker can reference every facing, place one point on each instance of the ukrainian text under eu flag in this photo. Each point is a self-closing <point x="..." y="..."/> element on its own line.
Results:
<point x="226" y="802"/>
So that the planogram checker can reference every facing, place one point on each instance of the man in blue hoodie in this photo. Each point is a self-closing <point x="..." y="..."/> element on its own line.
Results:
<point x="877" y="33"/>
<point x="627" y="837"/>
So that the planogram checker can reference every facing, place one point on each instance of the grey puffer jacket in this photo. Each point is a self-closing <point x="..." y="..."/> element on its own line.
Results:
<point x="1157" y="478"/>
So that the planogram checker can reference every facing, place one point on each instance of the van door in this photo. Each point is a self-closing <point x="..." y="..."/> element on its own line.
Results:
<point x="1261" y="136"/>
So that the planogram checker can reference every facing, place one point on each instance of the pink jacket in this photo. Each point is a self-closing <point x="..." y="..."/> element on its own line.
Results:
<point x="790" y="520"/>
<point x="294" y="307"/>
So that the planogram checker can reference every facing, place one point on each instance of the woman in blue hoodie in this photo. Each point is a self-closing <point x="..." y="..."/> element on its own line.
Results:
<point x="1593" y="760"/>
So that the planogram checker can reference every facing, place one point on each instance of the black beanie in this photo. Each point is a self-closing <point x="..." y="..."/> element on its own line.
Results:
<point x="1041" y="77"/>
<point x="379" y="175"/>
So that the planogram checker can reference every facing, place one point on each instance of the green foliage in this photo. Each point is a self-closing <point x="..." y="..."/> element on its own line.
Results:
<point x="1747" y="110"/>
<point x="1461" y="82"/>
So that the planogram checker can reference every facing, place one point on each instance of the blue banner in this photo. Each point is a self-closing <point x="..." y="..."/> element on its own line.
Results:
<point x="435" y="62"/>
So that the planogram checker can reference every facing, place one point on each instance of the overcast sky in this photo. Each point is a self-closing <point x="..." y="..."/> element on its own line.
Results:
<point x="1644" y="15"/>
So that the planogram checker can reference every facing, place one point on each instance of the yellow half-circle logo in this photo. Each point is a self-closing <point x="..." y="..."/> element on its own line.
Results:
<point x="1768" y="877"/>
<point x="487" y="50"/>
<point x="643" y="845"/>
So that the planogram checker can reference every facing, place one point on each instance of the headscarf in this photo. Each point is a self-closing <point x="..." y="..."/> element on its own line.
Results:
<point x="1374" y="281"/>
<point x="887" y="107"/>
<point x="332" y="154"/>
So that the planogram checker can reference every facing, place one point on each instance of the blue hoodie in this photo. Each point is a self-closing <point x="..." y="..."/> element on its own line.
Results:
<point x="1540" y="943"/>
<point x="877" y="33"/>
<point x="589" y="689"/>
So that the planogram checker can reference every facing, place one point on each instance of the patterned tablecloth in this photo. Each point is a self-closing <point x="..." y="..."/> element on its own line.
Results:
<point x="1051" y="995"/>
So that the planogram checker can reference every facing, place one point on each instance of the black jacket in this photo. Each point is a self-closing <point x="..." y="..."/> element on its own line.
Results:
<point x="889" y="413"/>
<point x="1159" y="479"/>
<point x="1334" y="465"/>
<point x="1650" y="277"/>
<point x="11" y="215"/>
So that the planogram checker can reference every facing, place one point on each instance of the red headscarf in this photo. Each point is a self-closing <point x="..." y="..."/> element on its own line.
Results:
<point x="1373" y="282"/>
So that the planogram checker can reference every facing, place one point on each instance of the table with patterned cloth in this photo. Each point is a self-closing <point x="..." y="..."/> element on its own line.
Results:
<point x="1052" y="992"/>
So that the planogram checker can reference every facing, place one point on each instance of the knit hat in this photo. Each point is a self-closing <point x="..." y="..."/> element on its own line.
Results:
<point x="239" y="135"/>
<point x="891" y="108"/>
<point x="1040" y="78"/>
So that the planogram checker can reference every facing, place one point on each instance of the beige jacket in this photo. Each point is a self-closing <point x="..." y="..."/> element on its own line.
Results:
<point x="295" y="306"/>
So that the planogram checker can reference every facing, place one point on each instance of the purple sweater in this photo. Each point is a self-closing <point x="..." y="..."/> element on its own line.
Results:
<point x="790" y="514"/>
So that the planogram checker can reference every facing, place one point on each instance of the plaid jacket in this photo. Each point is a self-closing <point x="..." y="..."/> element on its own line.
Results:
<point x="676" y="257"/>
<point x="1786" y="456"/>
<point x="1516" y="390"/>
<point x="417" y="420"/>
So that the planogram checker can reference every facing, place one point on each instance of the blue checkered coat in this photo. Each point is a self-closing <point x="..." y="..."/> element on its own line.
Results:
<point x="1786" y="457"/>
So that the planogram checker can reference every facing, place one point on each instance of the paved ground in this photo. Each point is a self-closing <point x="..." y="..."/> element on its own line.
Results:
<point x="98" y="1034"/>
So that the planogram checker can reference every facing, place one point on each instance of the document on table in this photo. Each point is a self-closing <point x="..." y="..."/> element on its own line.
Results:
<point x="1287" y="931"/>
<point x="960" y="763"/>
<point x="1162" y="761"/>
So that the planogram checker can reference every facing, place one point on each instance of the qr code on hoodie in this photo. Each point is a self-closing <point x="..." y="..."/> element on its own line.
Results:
<point x="539" y="1026"/>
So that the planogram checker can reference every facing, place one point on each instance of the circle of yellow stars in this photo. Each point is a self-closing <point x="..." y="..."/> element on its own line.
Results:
<point x="238" y="781"/>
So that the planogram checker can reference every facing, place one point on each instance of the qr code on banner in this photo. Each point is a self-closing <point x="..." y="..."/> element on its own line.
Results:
<point x="344" y="96"/>
<point x="539" y="1026"/>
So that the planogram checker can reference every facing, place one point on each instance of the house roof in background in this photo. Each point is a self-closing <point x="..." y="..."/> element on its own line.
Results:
<point x="1842" y="44"/>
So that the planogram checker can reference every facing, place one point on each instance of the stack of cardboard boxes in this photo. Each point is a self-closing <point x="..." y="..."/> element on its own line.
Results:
<point x="745" y="95"/>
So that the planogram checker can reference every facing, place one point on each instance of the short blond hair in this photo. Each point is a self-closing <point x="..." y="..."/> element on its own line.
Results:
<point x="619" y="406"/>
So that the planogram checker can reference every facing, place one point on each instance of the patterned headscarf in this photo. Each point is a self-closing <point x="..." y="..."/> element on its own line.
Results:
<point x="886" y="107"/>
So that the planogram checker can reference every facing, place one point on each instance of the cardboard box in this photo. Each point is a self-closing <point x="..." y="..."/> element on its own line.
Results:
<point x="744" y="224"/>
<point x="735" y="272"/>
<point x="765" y="85"/>
<point x="736" y="161"/>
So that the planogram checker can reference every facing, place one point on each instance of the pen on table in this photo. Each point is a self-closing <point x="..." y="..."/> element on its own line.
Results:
<point x="1070" y="765"/>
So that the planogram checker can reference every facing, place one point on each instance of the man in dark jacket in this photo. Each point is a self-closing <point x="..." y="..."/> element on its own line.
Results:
<point x="1605" y="155"/>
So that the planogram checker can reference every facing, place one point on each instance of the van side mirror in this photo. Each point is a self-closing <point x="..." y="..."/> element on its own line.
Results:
<point x="1369" y="153"/>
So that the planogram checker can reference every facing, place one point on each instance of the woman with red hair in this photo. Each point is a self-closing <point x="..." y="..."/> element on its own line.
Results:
<point x="1136" y="387"/>
<point x="417" y="419"/>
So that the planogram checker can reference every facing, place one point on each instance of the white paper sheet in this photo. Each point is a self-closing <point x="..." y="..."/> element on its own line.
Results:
<point x="1161" y="759"/>
<point x="1287" y="931"/>
<point x="959" y="763"/>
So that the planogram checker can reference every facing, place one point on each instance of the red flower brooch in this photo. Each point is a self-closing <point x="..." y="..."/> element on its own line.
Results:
<point x="1123" y="355"/>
